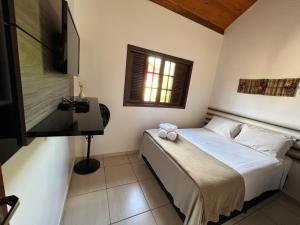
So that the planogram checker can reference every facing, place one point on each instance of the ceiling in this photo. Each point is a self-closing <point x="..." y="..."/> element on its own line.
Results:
<point x="214" y="14"/>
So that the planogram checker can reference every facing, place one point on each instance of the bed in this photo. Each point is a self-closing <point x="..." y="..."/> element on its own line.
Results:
<point x="260" y="172"/>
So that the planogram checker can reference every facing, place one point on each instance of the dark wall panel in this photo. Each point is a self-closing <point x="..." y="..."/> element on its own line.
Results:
<point x="43" y="87"/>
<point x="40" y="18"/>
<point x="38" y="22"/>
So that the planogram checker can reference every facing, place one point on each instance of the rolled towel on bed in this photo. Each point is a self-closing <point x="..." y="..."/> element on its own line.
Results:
<point x="162" y="133"/>
<point x="168" y="127"/>
<point x="172" y="136"/>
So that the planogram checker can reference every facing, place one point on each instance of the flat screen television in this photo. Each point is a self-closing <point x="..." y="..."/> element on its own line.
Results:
<point x="71" y="42"/>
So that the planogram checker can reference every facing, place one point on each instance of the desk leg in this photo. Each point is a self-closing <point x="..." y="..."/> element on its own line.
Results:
<point x="87" y="165"/>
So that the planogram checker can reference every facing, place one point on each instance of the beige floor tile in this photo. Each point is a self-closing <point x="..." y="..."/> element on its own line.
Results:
<point x="88" y="209"/>
<point x="108" y="155"/>
<point x="81" y="184"/>
<point x="153" y="193"/>
<point x="118" y="175"/>
<point x="280" y="214"/>
<point x="258" y="218"/>
<point x="142" y="219"/>
<point x="126" y="201"/>
<point x="115" y="160"/>
<point x="245" y="214"/>
<point x="231" y="222"/>
<point x="268" y="201"/>
<point x="289" y="204"/>
<point x="166" y="215"/>
<point x="142" y="171"/>
<point x="135" y="158"/>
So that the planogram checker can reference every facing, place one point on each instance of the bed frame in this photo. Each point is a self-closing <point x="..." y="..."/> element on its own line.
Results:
<point x="294" y="153"/>
<point x="222" y="219"/>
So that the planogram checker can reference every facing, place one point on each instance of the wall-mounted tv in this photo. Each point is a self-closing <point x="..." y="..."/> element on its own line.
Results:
<point x="71" y="42"/>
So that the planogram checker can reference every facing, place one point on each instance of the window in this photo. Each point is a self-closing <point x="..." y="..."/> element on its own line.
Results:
<point x="155" y="79"/>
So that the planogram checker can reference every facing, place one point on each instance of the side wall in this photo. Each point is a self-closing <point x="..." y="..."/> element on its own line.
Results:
<point x="106" y="27"/>
<point x="39" y="174"/>
<point x="262" y="43"/>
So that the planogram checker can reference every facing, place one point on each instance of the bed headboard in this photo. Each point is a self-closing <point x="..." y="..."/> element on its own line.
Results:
<point x="294" y="152"/>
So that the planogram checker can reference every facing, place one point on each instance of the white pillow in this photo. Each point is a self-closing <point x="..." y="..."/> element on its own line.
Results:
<point x="266" y="141"/>
<point x="224" y="127"/>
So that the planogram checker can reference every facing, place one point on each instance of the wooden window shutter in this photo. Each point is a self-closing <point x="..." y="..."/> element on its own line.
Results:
<point x="135" y="76"/>
<point x="180" y="84"/>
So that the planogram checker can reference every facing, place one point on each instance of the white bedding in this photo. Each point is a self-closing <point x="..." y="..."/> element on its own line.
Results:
<point x="261" y="172"/>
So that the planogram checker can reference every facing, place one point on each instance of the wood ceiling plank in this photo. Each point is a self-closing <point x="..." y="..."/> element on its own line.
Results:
<point x="188" y="14"/>
<point x="214" y="14"/>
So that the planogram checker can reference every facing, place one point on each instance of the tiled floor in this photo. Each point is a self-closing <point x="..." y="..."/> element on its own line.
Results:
<point x="124" y="192"/>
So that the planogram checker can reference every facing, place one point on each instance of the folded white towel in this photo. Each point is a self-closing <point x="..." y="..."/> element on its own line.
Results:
<point x="168" y="127"/>
<point x="162" y="133"/>
<point x="172" y="136"/>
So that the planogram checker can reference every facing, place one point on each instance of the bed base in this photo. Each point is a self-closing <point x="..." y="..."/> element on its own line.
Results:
<point x="222" y="219"/>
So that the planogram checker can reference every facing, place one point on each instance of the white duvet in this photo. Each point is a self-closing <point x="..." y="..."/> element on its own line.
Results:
<point x="260" y="172"/>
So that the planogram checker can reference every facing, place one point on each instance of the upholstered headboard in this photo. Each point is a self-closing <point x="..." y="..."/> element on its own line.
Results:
<point x="294" y="151"/>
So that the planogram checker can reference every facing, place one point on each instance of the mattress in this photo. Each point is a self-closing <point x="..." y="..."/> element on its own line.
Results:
<point x="261" y="172"/>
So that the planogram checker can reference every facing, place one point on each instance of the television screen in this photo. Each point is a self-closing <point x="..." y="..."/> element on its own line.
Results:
<point x="71" y="43"/>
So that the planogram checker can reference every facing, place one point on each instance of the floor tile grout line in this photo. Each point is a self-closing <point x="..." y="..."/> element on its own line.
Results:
<point x="131" y="216"/>
<point x="150" y="211"/>
<point x="86" y="193"/>
<point x="134" y="172"/>
<point x="122" y="185"/>
<point x="144" y="195"/>
<point x="108" y="207"/>
<point x="105" y="179"/>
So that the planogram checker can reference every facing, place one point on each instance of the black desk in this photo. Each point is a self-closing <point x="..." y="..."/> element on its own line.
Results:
<point x="72" y="123"/>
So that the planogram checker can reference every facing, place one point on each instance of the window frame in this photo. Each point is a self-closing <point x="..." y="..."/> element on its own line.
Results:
<point x="164" y="58"/>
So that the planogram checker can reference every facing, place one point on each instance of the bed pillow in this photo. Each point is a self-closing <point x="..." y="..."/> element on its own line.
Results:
<point x="266" y="141"/>
<point x="224" y="127"/>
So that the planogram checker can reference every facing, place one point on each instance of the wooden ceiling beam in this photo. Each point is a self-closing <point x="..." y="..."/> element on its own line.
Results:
<point x="186" y="13"/>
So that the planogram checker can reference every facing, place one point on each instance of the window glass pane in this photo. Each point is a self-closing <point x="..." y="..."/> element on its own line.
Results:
<point x="150" y="68"/>
<point x="151" y="60"/>
<point x="170" y="83"/>
<point x="163" y="96"/>
<point x="172" y="70"/>
<point x="153" y="95"/>
<point x="157" y="65"/>
<point x="147" y="94"/>
<point x="165" y="82"/>
<point x="149" y="80"/>
<point x="168" y="96"/>
<point x="167" y="68"/>
<point x="155" y="81"/>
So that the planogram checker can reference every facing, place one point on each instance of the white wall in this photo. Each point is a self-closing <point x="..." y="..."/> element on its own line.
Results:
<point x="263" y="43"/>
<point x="39" y="175"/>
<point x="106" y="27"/>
